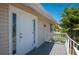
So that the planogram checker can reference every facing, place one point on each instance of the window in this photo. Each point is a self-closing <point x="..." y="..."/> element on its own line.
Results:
<point x="34" y="30"/>
<point x="51" y="29"/>
<point x="14" y="32"/>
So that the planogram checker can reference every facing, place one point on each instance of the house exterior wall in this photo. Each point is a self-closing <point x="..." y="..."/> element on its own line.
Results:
<point x="4" y="26"/>
<point x="43" y="32"/>
<point x="41" y="21"/>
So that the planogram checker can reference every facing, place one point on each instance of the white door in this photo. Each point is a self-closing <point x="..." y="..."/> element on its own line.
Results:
<point x="45" y="33"/>
<point x="26" y="33"/>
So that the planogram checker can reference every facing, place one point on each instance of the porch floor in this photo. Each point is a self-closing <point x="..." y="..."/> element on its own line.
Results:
<point x="58" y="49"/>
<point x="49" y="48"/>
<point x="44" y="49"/>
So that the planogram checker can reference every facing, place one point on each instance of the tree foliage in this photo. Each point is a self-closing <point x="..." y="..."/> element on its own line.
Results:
<point x="70" y="21"/>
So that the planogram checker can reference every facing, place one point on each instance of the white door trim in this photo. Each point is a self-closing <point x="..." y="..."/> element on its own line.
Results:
<point x="11" y="8"/>
<point x="10" y="30"/>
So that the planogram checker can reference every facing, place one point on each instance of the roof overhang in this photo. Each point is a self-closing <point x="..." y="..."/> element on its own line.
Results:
<point x="38" y="7"/>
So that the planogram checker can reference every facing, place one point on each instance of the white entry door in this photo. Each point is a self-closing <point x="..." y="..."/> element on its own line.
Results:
<point x="23" y="37"/>
<point x="26" y="40"/>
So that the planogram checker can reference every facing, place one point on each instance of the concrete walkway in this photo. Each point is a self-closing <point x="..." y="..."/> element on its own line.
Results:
<point x="58" y="49"/>
<point x="44" y="49"/>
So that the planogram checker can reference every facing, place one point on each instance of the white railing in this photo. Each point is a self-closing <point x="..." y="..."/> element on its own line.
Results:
<point x="72" y="47"/>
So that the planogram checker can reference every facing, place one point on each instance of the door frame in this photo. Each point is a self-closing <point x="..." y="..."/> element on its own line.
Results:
<point x="10" y="30"/>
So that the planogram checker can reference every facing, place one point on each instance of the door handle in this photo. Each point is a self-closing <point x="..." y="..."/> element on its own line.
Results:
<point x="20" y="33"/>
<point x="32" y="32"/>
<point x="21" y="37"/>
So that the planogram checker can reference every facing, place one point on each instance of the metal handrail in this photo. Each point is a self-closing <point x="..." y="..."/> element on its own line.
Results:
<point x="71" y="39"/>
<point x="74" y="42"/>
<point x="67" y="37"/>
<point x="76" y="50"/>
<point x="75" y="47"/>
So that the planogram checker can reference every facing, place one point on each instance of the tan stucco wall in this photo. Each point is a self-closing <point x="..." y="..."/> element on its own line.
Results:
<point x="4" y="28"/>
<point x="4" y="25"/>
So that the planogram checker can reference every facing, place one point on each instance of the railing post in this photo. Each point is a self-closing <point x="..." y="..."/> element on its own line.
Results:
<point x="77" y="46"/>
<point x="68" y="47"/>
<point x="73" y="48"/>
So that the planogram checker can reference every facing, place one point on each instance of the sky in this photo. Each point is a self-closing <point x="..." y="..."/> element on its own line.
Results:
<point x="56" y="9"/>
